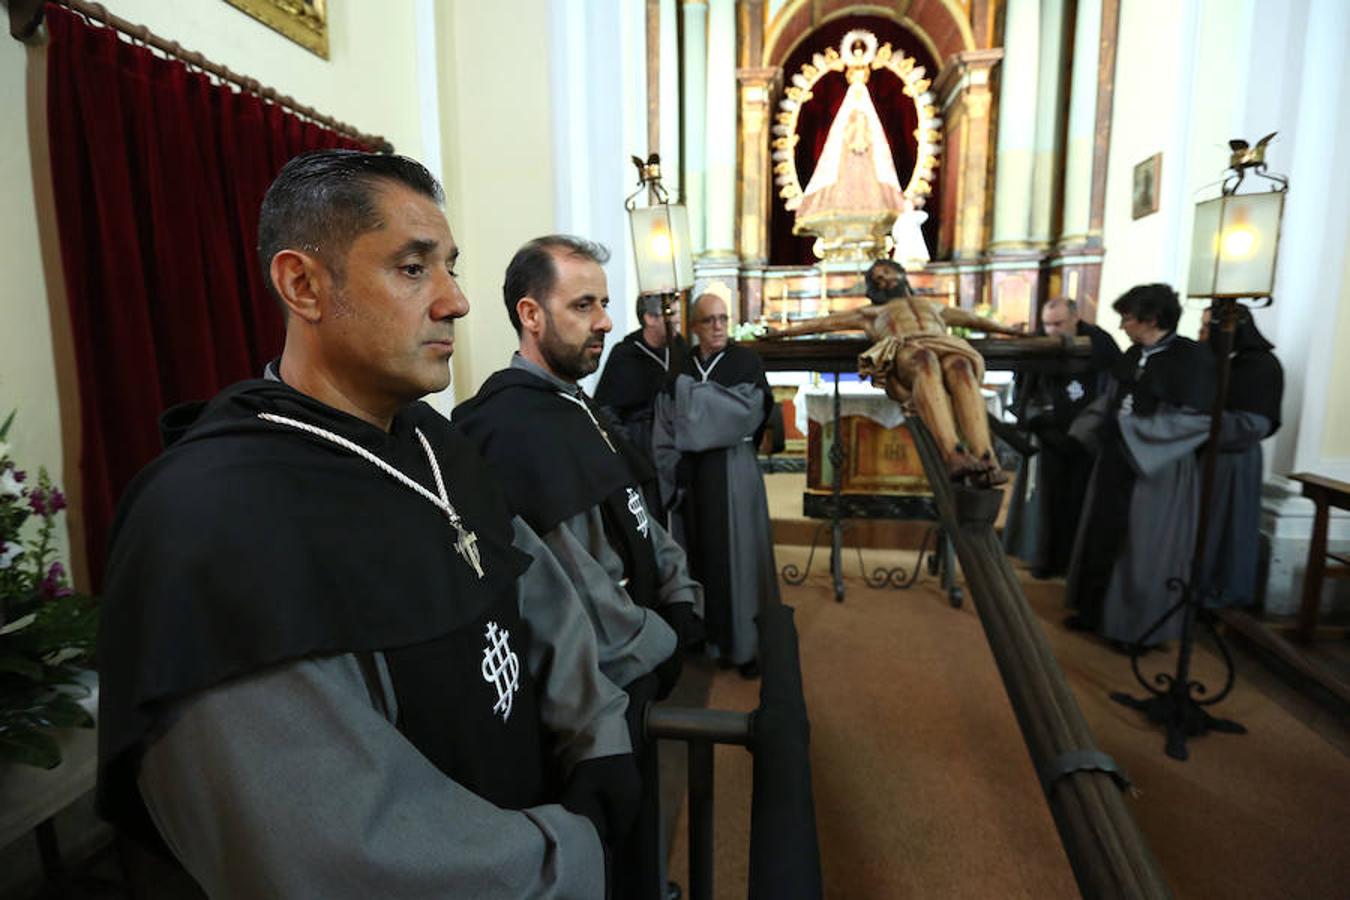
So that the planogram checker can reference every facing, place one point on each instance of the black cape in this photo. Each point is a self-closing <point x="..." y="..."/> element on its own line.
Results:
<point x="556" y="463"/>
<point x="632" y="378"/>
<point x="733" y="364"/>
<point x="1182" y="375"/>
<point x="248" y="544"/>
<point x="1257" y="379"/>
<point x="1042" y="529"/>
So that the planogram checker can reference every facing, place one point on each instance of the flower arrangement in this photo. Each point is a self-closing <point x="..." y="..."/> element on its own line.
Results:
<point x="46" y="630"/>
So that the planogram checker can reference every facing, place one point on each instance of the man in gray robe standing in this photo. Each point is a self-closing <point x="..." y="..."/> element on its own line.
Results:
<point x="1138" y="524"/>
<point x="705" y="438"/>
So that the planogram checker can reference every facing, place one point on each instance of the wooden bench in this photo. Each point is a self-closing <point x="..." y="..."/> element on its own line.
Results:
<point x="1325" y="493"/>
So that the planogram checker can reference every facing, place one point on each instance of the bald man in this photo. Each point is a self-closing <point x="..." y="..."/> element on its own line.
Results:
<point x="1048" y="495"/>
<point x="707" y="430"/>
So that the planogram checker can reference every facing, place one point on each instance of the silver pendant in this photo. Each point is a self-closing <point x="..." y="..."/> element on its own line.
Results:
<point x="466" y="544"/>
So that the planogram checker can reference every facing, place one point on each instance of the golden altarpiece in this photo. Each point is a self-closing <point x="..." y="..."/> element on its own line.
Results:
<point x="914" y="89"/>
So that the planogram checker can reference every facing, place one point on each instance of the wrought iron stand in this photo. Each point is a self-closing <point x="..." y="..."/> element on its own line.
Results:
<point x="1175" y="702"/>
<point x="838" y="512"/>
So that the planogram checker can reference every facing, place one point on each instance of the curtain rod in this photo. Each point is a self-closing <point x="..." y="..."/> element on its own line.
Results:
<point x="25" y="18"/>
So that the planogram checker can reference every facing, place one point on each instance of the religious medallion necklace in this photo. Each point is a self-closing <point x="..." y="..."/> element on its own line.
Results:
<point x="466" y="542"/>
<point x="712" y="365"/>
<point x="582" y="403"/>
<point x="665" y="363"/>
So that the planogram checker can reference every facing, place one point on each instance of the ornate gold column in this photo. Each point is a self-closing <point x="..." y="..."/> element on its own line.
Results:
<point x="965" y="97"/>
<point x="757" y="88"/>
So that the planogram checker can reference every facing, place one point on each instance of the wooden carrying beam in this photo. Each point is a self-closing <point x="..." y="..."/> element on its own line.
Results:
<point x="25" y="20"/>
<point x="1101" y="838"/>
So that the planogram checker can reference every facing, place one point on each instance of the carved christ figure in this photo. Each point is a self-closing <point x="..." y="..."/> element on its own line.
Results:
<point x="928" y="371"/>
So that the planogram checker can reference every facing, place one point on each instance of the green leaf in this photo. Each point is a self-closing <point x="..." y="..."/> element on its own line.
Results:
<point x="21" y="666"/>
<point x="30" y="747"/>
<point x="61" y="711"/>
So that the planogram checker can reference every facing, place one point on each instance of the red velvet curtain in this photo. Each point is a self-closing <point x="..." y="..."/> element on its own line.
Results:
<point x="898" y="117"/>
<point x="159" y="174"/>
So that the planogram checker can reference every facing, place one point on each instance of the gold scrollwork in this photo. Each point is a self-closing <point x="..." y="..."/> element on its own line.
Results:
<point x="928" y="135"/>
<point x="303" y="21"/>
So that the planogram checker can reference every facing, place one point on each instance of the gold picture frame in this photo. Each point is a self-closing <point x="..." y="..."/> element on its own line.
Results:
<point x="1147" y="180"/>
<point x="303" y="21"/>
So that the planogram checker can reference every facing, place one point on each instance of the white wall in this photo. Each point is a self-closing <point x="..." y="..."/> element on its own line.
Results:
<point x="1191" y="75"/>
<point x="369" y="81"/>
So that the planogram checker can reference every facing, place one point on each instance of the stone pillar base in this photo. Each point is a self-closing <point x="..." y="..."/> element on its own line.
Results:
<point x="1286" y="523"/>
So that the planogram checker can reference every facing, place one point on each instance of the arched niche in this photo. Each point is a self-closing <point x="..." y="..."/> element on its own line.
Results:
<point x="897" y="111"/>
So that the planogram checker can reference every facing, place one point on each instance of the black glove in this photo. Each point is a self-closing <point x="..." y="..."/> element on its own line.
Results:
<point x="606" y="790"/>
<point x="668" y="674"/>
<point x="689" y="628"/>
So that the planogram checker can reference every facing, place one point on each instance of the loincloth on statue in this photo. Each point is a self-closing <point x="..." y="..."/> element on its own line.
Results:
<point x="894" y="356"/>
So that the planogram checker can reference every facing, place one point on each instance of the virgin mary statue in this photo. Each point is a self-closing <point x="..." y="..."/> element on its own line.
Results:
<point x="854" y="194"/>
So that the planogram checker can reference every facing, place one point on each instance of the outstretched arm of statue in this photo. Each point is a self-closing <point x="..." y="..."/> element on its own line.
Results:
<point x="964" y="318"/>
<point x="849" y="320"/>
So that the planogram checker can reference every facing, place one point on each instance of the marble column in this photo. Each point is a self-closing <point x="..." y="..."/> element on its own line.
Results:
<point x="965" y="96"/>
<point x="1047" y="159"/>
<point x="694" y="97"/>
<point x="720" y="133"/>
<point x="758" y="87"/>
<point x="1015" y="162"/>
<point x="1082" y="130"/>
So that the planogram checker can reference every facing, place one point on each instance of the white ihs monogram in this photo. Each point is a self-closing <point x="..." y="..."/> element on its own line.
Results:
<point x="1075" y="391"/>
<point x="639" y="512"/>
<point x="501" y="669"/>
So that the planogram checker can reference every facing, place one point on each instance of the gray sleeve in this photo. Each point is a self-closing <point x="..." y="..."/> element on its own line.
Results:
<point x="710" y="415"/>
<point x="582" y="709"/>
<point x="632" y="640"/>
<point x="1086" y="425"/>
<point x="673" y="568"/>
<point x="294" y="783"/>
<point x="1241" y="430"/>
<point x="1157" y="441"/>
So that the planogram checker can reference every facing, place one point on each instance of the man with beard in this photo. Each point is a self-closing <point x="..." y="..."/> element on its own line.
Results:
<point x="1252" y="414"/>
<point x="922" y="367"/>
<point x="705" y="436"/>
<point x="1048" y="494"/>
<point x="1138" y="523"/>
<point x="578" y="483"/>
<point x="332" y="664"/>
<point x="638" y="368"/>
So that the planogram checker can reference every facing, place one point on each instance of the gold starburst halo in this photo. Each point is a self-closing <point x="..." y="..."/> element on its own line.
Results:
<point x="928" y="134"/>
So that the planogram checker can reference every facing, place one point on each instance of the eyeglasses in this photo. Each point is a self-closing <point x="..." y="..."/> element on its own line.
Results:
<point x="714" y="320"/>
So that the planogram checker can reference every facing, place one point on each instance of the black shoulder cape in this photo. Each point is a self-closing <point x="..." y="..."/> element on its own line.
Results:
<point x="248" y="543"/>
<point x="632" y="379"/>
<point x="738" y="365"/>
<point x="551" y="459"/>
<point x="1180" y="374"/>
<point x="1257" y="378"/>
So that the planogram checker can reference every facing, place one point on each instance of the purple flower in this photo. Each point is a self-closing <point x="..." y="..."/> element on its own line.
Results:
<point x="37" y="501"/>
<point x="54" y="584"/>
<point x="20" y="476"/>
<point x="56" y="501"/>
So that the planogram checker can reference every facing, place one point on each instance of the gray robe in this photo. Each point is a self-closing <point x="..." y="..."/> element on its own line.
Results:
<point x="313" y="792"/>
<point x="1233" y="545"/>
<point x="1163" y="506"/>
<point x="718" y="424"/>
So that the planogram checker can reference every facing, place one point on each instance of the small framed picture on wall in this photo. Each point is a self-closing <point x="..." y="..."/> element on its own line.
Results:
<point x="1147" y="180"/>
